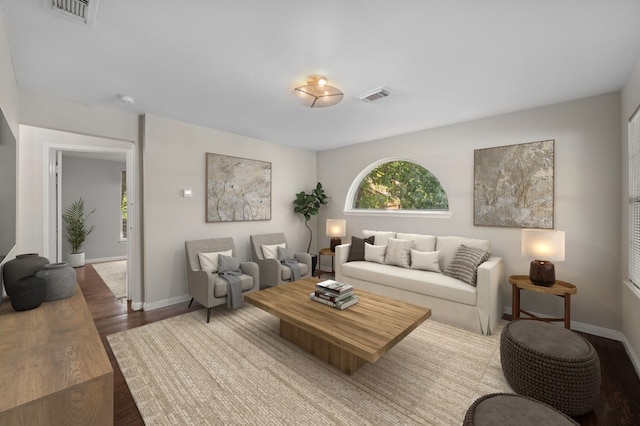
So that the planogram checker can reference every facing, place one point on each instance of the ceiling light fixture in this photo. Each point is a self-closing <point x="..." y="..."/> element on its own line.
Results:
<point x="317" y="93"/>
<point x="126" y="99"/>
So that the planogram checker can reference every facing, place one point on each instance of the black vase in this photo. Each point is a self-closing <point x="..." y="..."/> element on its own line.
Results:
<point x="24" y="265"/>
<point x="26" y="293"/>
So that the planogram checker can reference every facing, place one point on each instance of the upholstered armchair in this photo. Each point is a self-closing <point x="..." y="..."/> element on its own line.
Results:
<point x="272" y="272"/>
<point x="205" y="286"/>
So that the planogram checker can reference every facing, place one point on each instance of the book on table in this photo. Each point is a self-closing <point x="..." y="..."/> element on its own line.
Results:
<point x="334" y="287"/>
<point x="340" y="304"/>
<point x="331" y="296"/>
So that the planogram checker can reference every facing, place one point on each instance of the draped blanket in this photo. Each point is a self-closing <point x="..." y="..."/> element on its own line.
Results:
<point x="234" y="288"/>
<point x="295" y="268"/>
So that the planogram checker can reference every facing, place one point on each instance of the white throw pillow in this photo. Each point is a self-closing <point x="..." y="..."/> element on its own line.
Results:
<point x="209" y="261"/>
<point x="425" y="260"/>
<point x="374" y="253"/>
<point x="380" y="237"/>
<point x="271" y="251"/>
<point x="398" y="253"/>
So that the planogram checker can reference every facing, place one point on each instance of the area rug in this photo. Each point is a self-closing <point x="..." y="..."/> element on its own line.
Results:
<point x="114" y="275"/>
<point x="238" y="370"/>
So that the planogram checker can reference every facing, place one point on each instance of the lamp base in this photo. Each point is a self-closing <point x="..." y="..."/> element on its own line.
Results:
<point x="335" y="241"/>
<point x="542" y="272"/>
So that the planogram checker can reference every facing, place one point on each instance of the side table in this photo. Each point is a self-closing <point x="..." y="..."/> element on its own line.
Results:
<point x="326" y="252"/>
<point x="559" y="288"/>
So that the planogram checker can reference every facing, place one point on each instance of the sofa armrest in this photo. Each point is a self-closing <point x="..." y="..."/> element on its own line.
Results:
<point x="489" y="293"/>
<point x="269" y="272"/>
<point x="252" y="269"/>
<point x="340" y="257"/>
<point x="200" y="287"/>
<point x="306" y="259"/>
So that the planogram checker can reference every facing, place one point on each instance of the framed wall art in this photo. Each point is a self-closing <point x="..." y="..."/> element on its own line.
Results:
<point x="238" y="189"/>
<point x="513" y="185"/>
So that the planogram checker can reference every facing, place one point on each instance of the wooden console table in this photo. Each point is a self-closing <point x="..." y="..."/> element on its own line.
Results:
<point x="54" y="369"/>
<point x="559" y="288"/>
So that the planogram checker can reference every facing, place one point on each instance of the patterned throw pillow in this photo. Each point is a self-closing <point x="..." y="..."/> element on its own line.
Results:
<point x="228" y="263"/>
<point x="398" y="253"/>
<point x="209" y="261"/>
<point x="285" y="254"/>
<point x="374" y="253"/>
<point x="464" y="265"/>
<point x="357" y="248"/>
<point x="425" y="260"/>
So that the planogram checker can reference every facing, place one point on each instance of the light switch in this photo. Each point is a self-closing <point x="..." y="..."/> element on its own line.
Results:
<point x="186" y="193"/>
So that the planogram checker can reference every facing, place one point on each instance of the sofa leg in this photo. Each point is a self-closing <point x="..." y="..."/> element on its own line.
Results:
<point x="208" y="314"/>
<point x="190" y="302"/>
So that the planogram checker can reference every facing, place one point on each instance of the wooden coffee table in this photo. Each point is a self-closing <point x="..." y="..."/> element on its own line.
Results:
<point x="345" y="339"/>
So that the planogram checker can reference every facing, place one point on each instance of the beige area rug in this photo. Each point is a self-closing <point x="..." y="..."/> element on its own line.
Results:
<point x="237" y="370"/>
<point x="114" y="274"/>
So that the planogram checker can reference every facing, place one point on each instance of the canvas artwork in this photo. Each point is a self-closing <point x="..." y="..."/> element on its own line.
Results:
<point x="238" y="189"/>
<point x="513" y="185"/>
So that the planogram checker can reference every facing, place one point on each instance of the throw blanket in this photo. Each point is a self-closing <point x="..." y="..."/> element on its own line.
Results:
<point x="295" y="268"/>
<point x="234" y="289"/>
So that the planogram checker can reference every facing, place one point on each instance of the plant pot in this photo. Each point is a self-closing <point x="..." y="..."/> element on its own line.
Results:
<point x="24" y="265"/>
<point x="26" y="293"/>
<point x="75" y="259"/>
<point x="60" y="281"/>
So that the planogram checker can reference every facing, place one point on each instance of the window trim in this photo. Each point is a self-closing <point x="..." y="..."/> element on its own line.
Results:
<point x="355" y="184"/>
<point x="633" y="154"/>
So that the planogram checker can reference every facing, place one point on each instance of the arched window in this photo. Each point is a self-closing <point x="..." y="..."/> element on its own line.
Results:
<point x="397" y="187"/>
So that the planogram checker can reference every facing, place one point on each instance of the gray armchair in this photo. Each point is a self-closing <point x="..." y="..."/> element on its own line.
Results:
<point x="272" y="272"/>
<point x="208" y="288"/>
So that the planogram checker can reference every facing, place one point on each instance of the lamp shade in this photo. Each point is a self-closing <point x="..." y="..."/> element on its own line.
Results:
<point x="336" y="227"/>
<point x="543" y="244"/>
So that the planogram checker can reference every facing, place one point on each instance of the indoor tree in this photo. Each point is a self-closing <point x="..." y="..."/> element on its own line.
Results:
<point x="308" y="204"/>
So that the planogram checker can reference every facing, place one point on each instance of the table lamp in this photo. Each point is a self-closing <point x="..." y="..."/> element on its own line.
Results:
<point x="543" y="244"/>
<point x="336" y="228"/>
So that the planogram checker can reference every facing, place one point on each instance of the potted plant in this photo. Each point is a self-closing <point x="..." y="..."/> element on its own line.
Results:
<point x="308" y="204"/>
<point x="75" y="220"/>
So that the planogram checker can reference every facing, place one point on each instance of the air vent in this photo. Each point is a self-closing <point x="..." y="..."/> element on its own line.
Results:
<point x="375" y="94"/>
<point x="78" y="10"/>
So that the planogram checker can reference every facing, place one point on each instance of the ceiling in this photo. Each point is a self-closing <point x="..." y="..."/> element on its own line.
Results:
<point x="231" y="65"/>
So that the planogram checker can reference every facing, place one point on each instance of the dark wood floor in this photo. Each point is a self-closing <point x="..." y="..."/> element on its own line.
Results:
<point x="619" y="402"/>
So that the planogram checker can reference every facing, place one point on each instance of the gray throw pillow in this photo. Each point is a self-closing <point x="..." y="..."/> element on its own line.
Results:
<point x="398" y="253"/>
<point x="356" y="253"/>
<point x="464" y="265"/>
<point x="285" y="254"/>
<point x="228" y="263"/>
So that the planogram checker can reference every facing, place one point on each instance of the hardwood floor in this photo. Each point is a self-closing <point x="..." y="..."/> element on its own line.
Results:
<point x="619" y="402"/>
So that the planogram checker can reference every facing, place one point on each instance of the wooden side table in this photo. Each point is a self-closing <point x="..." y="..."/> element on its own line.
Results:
<point x="559" y="288"/>
<point x="326" y="252"/>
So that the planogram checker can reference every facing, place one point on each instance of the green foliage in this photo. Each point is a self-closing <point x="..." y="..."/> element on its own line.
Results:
<point x="401" y="185"/>
<point x="75" y="220"/>
<point x="308" y="204"/>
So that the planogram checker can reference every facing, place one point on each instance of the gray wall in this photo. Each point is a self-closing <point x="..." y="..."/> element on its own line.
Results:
<point x="587" y="195"/>
<point x="98" y="182"/>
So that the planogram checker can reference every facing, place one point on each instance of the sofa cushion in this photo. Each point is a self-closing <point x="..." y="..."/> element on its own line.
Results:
<point x="447" y="246"/>
<point x="425" y="260"/>
<point x="374" y="253"/>
<point x="398" y="253"/>
<point x="413" y="280"/>
<point x="209" y="261"/>
<point x="220" y="286"/>
<point x="381" y="237"/>
<point x="464" y="265"/>
<point x="356" y="252"/>
<point x="420" y="242"/>
<point x="286" y="272"/>
<point x="270" y="251"/>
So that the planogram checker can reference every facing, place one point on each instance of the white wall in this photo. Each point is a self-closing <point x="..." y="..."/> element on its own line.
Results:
<point x="587" y="195"/>
<point x="174" y="159"/>
<point x="630" y="293"/>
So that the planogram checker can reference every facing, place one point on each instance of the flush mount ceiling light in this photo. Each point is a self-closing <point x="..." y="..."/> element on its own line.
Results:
<point x="317" y="93"/>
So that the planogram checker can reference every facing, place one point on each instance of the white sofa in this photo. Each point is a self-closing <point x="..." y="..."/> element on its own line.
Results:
<point x="477" y="308"/>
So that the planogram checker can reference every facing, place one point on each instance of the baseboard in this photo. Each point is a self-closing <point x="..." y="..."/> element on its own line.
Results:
<point x="136" y="306"/>
<point x="165" y="302"/>
<point x="583" y="328"/>
<point x="106" y="259"/>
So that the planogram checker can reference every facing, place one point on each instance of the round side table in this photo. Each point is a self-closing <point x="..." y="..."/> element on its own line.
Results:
<point x="326" y="252"/>
<point x="559" y="288"/>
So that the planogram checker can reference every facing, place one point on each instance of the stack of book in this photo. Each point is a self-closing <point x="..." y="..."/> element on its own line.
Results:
<point x="334" y="294"/>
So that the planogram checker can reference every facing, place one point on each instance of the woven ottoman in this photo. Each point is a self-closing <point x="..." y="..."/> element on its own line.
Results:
<point x="550" y="364"/>
<point x="509" y="409"/>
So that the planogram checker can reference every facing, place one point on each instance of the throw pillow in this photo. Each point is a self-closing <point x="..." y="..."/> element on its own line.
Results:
<point x="285" y="254"/>
<point x="271" y="251"/>
<point x="228" y="263"/>
<point x="425" y="260"/>
<point x="380" y="237"/>
<point x="356" y="252"/>
<point x="209" y="261"/>
<point x="464" y="265"/>
<point x="374" y="253"/>
<point x="398" y="253"/>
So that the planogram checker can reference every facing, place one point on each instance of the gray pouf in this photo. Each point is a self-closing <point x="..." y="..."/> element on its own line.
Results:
<point x="510" y="409"/>
<point x="551" y="364"/>
<point x="60" y="280"/>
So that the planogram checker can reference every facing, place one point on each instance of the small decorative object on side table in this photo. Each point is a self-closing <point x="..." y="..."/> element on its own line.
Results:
<point x="559" y="288"/>
<point x="326" y="252"/>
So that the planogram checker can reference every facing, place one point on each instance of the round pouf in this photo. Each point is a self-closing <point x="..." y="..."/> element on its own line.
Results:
<point x="551" y="364"/>
<point x="60" y="280"/>
<point x="510" y="409"/>
<point x="26" y="293"/>
<point x="24" y="265"/>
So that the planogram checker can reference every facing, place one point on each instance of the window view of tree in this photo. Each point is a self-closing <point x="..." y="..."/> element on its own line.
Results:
<point x="401" y="185"/>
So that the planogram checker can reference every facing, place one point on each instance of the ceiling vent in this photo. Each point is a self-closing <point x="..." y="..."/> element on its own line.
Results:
<point x="83" y="11"/>
<point x="375" y="94"/>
